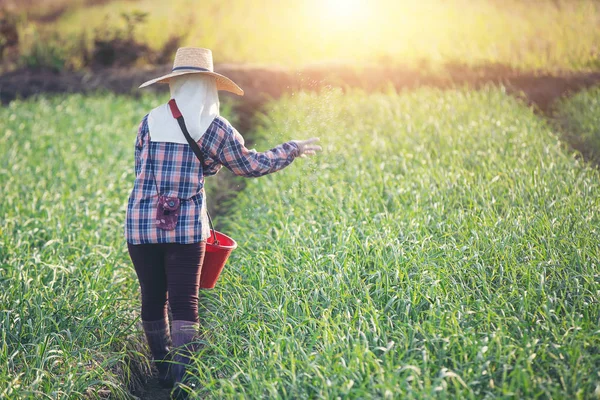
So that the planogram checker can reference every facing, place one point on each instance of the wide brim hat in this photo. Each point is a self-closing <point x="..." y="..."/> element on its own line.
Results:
<point x="195" y="60"/>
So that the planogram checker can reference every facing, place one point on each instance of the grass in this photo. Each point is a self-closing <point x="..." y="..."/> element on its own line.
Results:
<point x="579" y="119"/>
<point x="69" y="302"/>
<point x="444" y="245"/>
<point x="68" y="293"/>
<point x="540" y="35"/>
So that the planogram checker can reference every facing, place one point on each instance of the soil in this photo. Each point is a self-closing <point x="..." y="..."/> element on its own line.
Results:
<point x="263" y="83"/>
<point x="152" y="391"/>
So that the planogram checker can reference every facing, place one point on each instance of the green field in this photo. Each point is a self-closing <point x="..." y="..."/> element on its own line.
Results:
<point x="444" y="245"/>
<point x="533" y="35"/>
<point x="579" y="119"/>
<point x="69" y="305"/>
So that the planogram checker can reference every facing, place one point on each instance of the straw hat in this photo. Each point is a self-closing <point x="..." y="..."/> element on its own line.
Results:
<point x="195" y="60"/>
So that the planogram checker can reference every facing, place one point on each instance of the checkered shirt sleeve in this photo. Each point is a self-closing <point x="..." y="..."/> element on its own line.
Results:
<point x="225" y="146"/>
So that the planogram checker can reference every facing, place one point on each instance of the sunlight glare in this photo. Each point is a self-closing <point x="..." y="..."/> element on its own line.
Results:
<point x="343" y="11"/>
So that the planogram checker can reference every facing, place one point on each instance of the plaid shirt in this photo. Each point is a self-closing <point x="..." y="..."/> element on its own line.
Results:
<point x="178" y="174"/>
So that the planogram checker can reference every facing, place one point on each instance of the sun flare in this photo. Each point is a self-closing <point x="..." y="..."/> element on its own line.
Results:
<point x="343" y="11"/>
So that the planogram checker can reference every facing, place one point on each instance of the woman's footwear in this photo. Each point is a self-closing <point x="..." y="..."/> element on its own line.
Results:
<point x="157" y="334"/>
<point x="183" y="334"/>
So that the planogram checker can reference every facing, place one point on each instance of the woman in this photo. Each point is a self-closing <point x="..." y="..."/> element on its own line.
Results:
<point x="167" y="255"/>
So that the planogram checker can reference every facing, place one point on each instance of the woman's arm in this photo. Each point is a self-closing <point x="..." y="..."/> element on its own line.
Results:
<point x="234" y="155"/>
<point x="249" y="163"/>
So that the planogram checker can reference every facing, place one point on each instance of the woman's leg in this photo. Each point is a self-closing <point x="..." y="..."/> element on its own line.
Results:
<point x="148" y="261"/>
<point x="183" y="264"/>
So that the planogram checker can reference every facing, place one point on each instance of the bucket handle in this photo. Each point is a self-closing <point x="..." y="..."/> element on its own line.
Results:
<point x="212" y="229"/>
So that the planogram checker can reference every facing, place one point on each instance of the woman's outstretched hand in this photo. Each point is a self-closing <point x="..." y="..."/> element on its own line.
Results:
<point x="307" y="148"/>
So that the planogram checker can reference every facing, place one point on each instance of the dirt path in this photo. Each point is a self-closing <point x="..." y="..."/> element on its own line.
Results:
<point x="266" y="82"/>
<point x="152" y="391"/>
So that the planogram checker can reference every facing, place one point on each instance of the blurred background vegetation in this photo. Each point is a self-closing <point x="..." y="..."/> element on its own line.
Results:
<point x="428" y="34"/>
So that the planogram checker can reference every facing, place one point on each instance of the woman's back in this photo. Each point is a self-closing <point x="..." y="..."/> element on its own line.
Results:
<point x="173" y="170"/>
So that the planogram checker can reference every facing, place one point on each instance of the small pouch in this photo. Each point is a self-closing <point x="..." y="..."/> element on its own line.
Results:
<point x="167" y="212"/>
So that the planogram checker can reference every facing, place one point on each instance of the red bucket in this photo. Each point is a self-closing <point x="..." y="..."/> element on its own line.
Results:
<point x="218" y="249"/>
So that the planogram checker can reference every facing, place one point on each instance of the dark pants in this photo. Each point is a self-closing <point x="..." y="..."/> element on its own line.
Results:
<point x="168" y="268"/>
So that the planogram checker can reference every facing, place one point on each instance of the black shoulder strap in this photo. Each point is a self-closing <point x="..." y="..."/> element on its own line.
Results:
<point x="179" y="117"/>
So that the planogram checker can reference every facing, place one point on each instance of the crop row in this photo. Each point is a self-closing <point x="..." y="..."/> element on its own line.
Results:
<point x="444" y="244"/>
